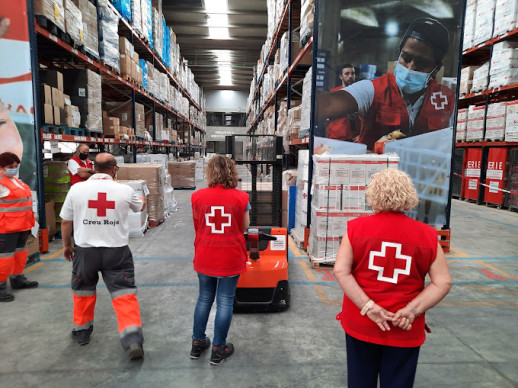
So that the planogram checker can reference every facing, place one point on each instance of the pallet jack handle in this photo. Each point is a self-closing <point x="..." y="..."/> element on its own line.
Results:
<point x="253" y="236"/>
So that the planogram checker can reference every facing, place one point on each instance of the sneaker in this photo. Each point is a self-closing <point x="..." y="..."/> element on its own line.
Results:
<point x="135" y="351"/>
<point x="198" y="347"/>
<point x="219" y="353"/>
<point x="20" y="281"/>
<point x="82" y="337"/>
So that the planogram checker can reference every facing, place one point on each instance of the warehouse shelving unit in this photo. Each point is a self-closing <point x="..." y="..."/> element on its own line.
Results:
<point x="474" y="56"/>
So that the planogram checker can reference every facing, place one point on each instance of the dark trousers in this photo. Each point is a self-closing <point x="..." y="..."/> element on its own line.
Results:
<point x="395" y="366"/>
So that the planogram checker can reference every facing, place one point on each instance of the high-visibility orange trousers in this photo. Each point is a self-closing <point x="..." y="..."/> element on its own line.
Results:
<point x="13" y="253"/>
<point x="117" y="269"/>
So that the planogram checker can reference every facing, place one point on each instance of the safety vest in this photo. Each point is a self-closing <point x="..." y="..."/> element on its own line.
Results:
<point x="389" y="112"/>
<point x="85" y="164"/>
<point x="392" y="255"/>
<point x="219" y="245"/>
<point x="16" y="213"/>
<point x="344" y="128"/>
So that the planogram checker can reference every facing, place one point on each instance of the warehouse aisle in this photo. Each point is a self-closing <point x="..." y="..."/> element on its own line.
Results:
<point x="474" y="341"/>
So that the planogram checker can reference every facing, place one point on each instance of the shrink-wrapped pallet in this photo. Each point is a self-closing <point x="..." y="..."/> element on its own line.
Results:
<point x="109" y="37"/>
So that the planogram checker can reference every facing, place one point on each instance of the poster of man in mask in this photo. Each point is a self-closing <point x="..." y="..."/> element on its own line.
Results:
<point x="408" y="55"/>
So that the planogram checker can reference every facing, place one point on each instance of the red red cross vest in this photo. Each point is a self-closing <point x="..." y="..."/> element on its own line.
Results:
<point x="219" y="245"/>
<point x="16" y="213"/>
<point x="389" y="112"/>
<point x="343" y="128"/>
<point x="392" y="255"/>
<point x="85" y="164"/>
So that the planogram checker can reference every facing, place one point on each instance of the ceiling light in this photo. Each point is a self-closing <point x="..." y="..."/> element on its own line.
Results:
<point x="362" y="15"/>
<point x="222" y="55"/>
<point x="218" y="33"/>
<point x="216" y="5"/>
<point x="217" y="20"/>
<point x="392" y="28"/>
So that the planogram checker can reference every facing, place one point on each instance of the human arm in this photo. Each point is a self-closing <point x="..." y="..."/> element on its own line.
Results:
<point x="356" y="98"/>
<point x="433" y="293"/>
<point x="84" y="172"/>
<point x="343" y="274"/>
<point x="66" y="235"/>
<point x="137" y="203"/>
<point x="4" y="26"/>
<point x="246" y="220"/>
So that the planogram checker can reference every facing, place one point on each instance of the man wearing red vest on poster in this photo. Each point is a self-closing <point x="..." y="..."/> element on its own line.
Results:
<point x="97" y="210"/>
<point x="220" y="215"/>
<point x="80" y="168"/>
<point x="381" y="266"/>
<point x="407" y="102"/>
<point x="348" y="127"/>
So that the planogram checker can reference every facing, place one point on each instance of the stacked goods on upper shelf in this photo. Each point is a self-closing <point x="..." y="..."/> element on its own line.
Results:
<point x="109" y="37"/>
<point x="129" y="61"/>
<point x="296" y="47"/>
<point x="305" y="118"/>
<point x="124" y="8"/>
<point x="483" y="21"/>
<point x="123" y="111"/>
<point x="147" y="21"/>
<point x="57" y="108"/>
<point x="339" y="183"/>
<point x="511" y="121"/>
<point x="466" y="79"/>
<point x="506" y="16"/>
<point x="85" y="90"/>
<point x="480" y="78"/>
<point x="74" y="22"/>
<point x="307" y="16"/>
<point x="90" y="33"/>
<point x="53" y="10"/>
<point x="462" y="125"/>
<point x="475" y="128"/>
<point x="469" y="24"/>
<point x="136" y="15"/>
<point x="501" y="122"/>
<point x="158" y="37"/>
<point x="495" y="121"/>
<point x="504" y="64"/>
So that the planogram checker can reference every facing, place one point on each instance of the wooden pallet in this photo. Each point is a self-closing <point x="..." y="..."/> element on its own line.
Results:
<point x="95" y="134"/>
<point x="63" y="130"/>
<point x="155" y="223"/>
<point x="298" y="242"/>
<point x="318" y="264"/>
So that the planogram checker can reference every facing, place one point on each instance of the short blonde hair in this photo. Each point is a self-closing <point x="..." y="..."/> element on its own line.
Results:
<point x="391" y="190"/>
<point x="221" y="170"/>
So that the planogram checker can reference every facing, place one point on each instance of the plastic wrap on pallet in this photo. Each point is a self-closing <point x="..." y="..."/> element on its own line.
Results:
<point x="109" y="37"/>
<point x="495" y="121"/>
<point x="506" y="16"/>
<point x="143" y="65"/>
<point x="306" y="105"/>
<point x="137" y="221"/>
<point x="124" y="8"/>
<point x="157" y="32"/>
<point x="484" y="21"/>
<point x="462" y="125"/>
<point x="53" y="10"/>
<point x="90" y="29"/>
<point x="480" y="78"/>
<point x="74" y="22"/>
<point x="166" y="44"/>
<point x="136" y="15"/>
<point x="427" y="159"/>
<point x="307" y="15"/>
<point x="469" y="24"/>
<point x="511" y="121"/>
<point x="147" y="21"/>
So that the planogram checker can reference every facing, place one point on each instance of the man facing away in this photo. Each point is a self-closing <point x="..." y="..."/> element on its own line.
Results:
<point x="97" y="210"/>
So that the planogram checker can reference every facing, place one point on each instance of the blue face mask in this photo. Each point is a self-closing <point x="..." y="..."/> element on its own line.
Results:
<point x="410" y="81"/>
<point x="11" y="172"/>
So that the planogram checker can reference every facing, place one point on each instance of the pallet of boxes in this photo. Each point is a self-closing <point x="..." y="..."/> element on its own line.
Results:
<point x="137" y="221"/>
<point x="56" y="183"/>
<point x="153" y="175"/>
<point x="183" y="174"/>
<point x="58" y="110"/>
<point x="301" y="201"/>
<point x="339" y="183"/>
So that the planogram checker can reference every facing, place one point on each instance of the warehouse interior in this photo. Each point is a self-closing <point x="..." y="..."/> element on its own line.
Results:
<point x="164" y="86"/>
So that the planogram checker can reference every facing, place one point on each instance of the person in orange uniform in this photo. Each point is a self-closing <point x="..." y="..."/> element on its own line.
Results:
<point x="220" y="215"/>
<point x="348" y="127"/>
<point x="16" y="222"/>
<point x="80" y="168"/>
<point x="381" y="266"/>
<point x="97" y="210"/>
<point x="408" y="102"/>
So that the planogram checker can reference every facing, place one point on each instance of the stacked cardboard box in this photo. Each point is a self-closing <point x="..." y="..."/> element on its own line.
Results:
<point x="511" y="121"/>
<point x="183" y="174"/>
<point x="90" y="33"/>
<point x="111" y="126"/>
<point x="109" y="36"/>
<point x="495" y="121"/>
<point x="504" y="64"/>
<point x="85" y="90"/>
<point x="56" y="181"/>
<point x="462" y="124"/>
<point x="294" y="116"/>
<point x="57" y="106"/>
<point x="506" y="16"/>
<point x="469" y="24"/>
<point x="53" y="10"/>
<point x="74" y="22"/>
<point x="137" y="220"/>
<point x="305" y="105"/>
<point x="153" y="174"/>
<point x="480" y="78"/>
<point x="483" y="21"/>
<point x="339" y="183"/>
<point x="475" y="127"/>
<point x="466" y="79"/>
<point x="129" y="61"/>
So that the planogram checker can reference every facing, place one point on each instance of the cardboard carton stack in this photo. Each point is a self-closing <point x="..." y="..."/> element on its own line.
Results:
<point x="56" y="181"/>
<point x="109" y="36"/>
<point x="129" y="61"/>
<point x="153" y="174"/>
<point x="480" y="78"/>
<point x="504" y="64"/>
<point x="307" y="16"/>
<point x="506" y="16"/>
<point x="462" y="125"/>
<point x="495" y="121"/>
<point x="339" y="183"/>
<point x="511" y="121"/>
<point x="183" y="174"/>
<point x="466" y="79"/>
<point x="294" y="116"/>
<point x="305" y="116"/>
<point x="483" y="21"/>
<point x="85" y="90"/>
<point x="57" y="106"/>
<point x="137" y="220"/>
<point x="469" y="24"/>
<point x="74" y="22"/>
<point x="53" y="10"/>
<point x="475" y="127"/>
<point x="90" y="33"/>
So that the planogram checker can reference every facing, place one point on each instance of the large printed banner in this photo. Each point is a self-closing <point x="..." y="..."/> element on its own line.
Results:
<point x="389" y="84"/>
<point x="16" y="93"/>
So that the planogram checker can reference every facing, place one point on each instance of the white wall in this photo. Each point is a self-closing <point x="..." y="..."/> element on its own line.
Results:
<point x="219" y="133"/>
<point x="225" y="101"/>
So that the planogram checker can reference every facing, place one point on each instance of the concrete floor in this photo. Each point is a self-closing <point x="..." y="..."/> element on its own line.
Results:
<point x="474" y="341"/>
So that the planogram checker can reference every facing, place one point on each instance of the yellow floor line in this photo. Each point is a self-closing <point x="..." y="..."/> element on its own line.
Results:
<point x="492" y="208"/>
<point x="52" y="255"/>
<point x="295" y="249"/>
<point x="33" y="267"/>
<point x="456" y="253"/>
<point x="318" y="289"/>
<point x="496" y="269"/>
<point x="489" y="289"/>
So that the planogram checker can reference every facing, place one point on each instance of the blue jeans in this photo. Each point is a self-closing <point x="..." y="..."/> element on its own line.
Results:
<point x="226" y="290"/>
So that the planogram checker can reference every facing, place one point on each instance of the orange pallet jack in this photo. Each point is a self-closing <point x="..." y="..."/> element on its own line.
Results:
<point x="264" y="286"/>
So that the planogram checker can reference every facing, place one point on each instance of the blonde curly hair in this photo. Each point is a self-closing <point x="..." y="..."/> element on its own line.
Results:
<point x="391" y="190"/>
<point x="221" y="170"/>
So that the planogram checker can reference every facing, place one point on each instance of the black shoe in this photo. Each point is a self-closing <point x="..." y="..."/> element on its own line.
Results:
<point x="82" y="337"/>
<point x="219" y="353"/>
<point x="20" y="281"/>
<point x="135" y="351"/>
<point x="5" y="295"/>
<point x="198" y="347"/>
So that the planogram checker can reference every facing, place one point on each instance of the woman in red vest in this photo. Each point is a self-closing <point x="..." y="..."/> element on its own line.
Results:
<point x="16" y="221"/>
<point x="220" y="215"/>
<point x="381" y="266"/>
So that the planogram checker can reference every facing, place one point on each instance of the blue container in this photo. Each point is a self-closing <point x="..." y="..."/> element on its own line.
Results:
<point x="124" y="8"/>
<point x="143" y="65"/>
<point x="292" y="196"/>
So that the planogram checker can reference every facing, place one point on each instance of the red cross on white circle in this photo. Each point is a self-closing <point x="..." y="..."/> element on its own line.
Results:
<point x="439" y="100"/>
<point x="101" y="204"/>
<point x="216" y="219"/>
<point x="388" y="264"/>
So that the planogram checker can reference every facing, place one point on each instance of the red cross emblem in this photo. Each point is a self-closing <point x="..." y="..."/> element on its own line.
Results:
<point x="389" y="262"/>
<point x="101" y="204"/>
<point x="216" y="219"/>
<point x="439" y="100"/>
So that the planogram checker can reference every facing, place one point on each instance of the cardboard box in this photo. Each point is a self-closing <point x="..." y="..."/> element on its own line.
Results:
<point x="46" y="92"/>
<point x="50" y="217"/>
<point x="111" y="126"/>
<point x="32" y="245"/>
<point x="66" y="100"/>
<point x="57" y="98"/>
<point x="57" y="114"/>
<point x="48" y="114"/>
<point x="153" y="174"/>
<point x="53" y="78"/>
